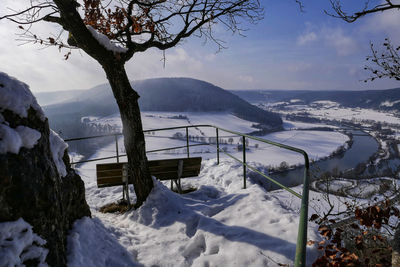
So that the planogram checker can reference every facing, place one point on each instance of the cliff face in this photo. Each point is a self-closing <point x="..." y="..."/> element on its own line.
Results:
<point x="37" y="182"/>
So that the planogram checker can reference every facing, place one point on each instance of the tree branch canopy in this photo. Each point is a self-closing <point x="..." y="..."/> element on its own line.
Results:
<point x="138" y="25"/>
<point x="366" y="10"/>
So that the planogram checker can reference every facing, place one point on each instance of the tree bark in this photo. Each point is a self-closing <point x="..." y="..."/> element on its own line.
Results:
<point x="127" y="100"/>
<point x="396" y="248"/>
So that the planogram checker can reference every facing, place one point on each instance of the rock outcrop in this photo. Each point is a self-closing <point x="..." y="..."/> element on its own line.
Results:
<point x="37" y="182"/>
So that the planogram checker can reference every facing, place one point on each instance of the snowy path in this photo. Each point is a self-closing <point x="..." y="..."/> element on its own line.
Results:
<point x="220" y="224"/>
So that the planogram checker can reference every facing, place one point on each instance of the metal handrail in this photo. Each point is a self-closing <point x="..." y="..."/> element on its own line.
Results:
<point x="300" y="258"/>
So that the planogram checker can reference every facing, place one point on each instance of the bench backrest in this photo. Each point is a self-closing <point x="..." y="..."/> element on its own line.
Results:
<point x="110" y="174"/>
<point x="167" y="169"/>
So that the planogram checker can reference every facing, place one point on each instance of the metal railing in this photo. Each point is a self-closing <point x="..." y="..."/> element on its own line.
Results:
<point x="300" y="257"/>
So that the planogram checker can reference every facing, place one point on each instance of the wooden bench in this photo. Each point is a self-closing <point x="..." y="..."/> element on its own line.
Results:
<point x="114" y="174"/>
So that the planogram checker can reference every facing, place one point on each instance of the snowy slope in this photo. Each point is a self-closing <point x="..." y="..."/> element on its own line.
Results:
<point x="220" y="224"/>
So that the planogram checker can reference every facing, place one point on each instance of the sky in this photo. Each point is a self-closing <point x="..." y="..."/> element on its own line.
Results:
<point x="288" y="49"/>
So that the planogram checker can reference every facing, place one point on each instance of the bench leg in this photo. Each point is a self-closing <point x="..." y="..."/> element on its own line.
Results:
<point x="178" y="185"/>
<point x="172" y="185"/>
<point x="127" y="194"/>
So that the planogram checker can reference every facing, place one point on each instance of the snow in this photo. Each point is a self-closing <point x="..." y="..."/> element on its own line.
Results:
<point x="16" y="97"/>
<point x="19" y="243"/>
<point x="12" y="140"/>
<point x="332" y="111"/>
<point x="325" y="103"/>
<point x="219" y="224"/>
<point x="295" y="125"/>
<point x="388" y="103"/>
<point x="265" y="154"/>
<point x="104" y="41"/>
<point x="58" y="146"/>
<point x="356" y="114"/>
<point x="271" y="155"/>
<point x="90" y="244"/>
<point x="156" y="120"/>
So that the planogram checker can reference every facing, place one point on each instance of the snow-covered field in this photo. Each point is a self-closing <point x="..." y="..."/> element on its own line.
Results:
<point x="296" y="125"/>
<point x="357" y="114"/>
<point x="256" y="151"/>
<point x="333" y="112"/>
<point x="156" y="120"/>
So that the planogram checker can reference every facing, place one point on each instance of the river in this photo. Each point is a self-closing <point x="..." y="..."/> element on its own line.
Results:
<point x="363" y="148"/>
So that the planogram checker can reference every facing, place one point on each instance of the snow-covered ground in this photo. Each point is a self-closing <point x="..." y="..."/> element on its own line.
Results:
<point x="220" y="224"/>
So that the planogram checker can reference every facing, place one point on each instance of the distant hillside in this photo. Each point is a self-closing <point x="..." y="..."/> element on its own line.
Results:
<point x="388" y="99"/>
<point x="49" y="98"/>
<point x="165" y="94"/>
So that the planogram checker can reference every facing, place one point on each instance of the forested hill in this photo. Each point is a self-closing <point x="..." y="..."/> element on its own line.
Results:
<point x="388" y="99"/>
<point x="167" y="94"/>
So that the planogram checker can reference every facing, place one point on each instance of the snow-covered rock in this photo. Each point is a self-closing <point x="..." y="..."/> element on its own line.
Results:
<point x="16" y="97"/>
<point x="37" y="183"/>
<point x="58" y="147"/>
<point x="19" y="244"/>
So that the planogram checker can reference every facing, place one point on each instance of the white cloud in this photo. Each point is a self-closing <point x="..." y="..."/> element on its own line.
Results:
<point x="306" y="38"/>
<point x="210" y="57"/>
<point x="387" y="22"/>
<point x="342" y="43"/>
<point x="331" y="37"/>
<point x="246" y="78"/>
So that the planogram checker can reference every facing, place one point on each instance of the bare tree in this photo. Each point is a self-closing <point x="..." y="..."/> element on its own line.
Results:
<point x="111" y="32"/>
<point x="387" y="61"/>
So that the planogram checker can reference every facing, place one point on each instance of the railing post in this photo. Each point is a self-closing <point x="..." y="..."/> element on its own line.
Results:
<point x="216" y="129"/>
<point x="116" y="147"/>
<point x="187" y="141"/>
<point x="244" y="161"/>
<point x="301" y="246"/>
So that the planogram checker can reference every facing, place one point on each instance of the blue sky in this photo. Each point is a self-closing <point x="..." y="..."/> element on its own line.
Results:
<point x="289" y="49"/>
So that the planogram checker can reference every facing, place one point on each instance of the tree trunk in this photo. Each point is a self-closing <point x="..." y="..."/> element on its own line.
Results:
<point x="127" y="100"/>
<point x="396" y="248"/>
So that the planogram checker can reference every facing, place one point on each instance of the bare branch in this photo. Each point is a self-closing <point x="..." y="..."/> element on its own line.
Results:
<point x="351" y="17"/>
<point x="141" y="24"/>
<point x="386" y="64"/>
